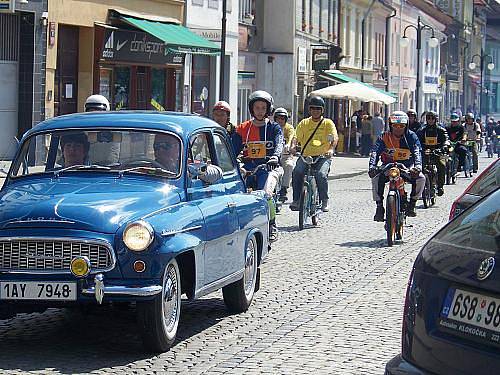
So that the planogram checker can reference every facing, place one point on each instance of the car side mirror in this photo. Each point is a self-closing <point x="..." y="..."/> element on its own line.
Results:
<point x="197" y="170"/>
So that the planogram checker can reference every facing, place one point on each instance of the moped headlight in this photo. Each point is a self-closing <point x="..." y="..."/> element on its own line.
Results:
<point x="138" y="235"/>
<point x="394" y="172"/>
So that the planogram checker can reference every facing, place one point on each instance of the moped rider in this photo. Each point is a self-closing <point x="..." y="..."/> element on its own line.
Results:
<point x="398" y="144"/>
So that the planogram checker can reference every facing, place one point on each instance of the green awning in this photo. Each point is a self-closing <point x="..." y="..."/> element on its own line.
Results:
<point x="342" y="78"/>
<point x="178" y="39"/>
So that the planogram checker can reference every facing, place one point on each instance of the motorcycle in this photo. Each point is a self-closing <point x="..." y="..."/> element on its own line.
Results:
<point x="489" y="146"/>
<point x="452" y="162"/>
<point x="396" y="201"/>
<point x="430" y="173"/>
<point x="309" y="205"/>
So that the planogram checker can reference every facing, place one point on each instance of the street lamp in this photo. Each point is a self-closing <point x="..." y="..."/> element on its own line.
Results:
<point x="489" y="66"/>
<point x="433" y="42"/>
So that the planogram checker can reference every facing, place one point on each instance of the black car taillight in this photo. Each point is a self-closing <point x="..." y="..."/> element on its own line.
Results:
<point x="408" y="314"/>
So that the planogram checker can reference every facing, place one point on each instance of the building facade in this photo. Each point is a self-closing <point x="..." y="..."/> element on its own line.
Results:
<point x="202" y="73"/>
<point x="22" y="68"/>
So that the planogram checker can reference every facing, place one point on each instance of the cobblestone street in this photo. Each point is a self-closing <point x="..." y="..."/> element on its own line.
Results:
<point x="330" y="302"/>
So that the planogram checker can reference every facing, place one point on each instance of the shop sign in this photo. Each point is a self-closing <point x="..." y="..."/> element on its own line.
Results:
<point x="139" y="47"/>
<point x="302" y="60"/>
<point x="7" y="6"/>
<point x="430" y="84"/>
<point x="214" y="35"/>
<point x="320" y="59"/>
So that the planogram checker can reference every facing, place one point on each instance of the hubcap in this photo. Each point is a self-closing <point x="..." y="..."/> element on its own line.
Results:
<point x="249" y="275"/>
<point x="170" y="299"/>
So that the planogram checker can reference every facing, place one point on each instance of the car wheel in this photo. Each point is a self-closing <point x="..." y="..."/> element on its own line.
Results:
<point x="239" y="295"/>
<point x="159" y="319"/>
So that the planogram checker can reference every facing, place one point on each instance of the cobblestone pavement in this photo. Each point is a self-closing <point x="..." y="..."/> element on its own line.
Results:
<point x="330" y="302"/>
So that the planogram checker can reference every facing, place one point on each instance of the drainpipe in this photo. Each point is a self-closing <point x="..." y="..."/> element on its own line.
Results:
<point x="388" y="52"/>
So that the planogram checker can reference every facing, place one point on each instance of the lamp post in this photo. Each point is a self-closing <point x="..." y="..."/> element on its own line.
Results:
<point x="433" y="42"/>
<point x="223" y="51"/>
<point x="490" y="66"/>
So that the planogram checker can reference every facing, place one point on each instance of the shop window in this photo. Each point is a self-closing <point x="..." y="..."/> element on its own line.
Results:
<point x="105" y="82"/>
<point x="121" y="88"/>
<point x="158" y="89"/>
<point x="201" y="85"/>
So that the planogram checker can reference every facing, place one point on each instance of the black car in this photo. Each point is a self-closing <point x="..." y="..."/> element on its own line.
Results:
<point x="484" y="184"/>
<point x="451" y="321"/>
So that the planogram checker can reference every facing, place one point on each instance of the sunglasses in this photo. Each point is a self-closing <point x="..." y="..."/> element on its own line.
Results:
<point x="314" y="108"/>
<point x="280" y="117"/>
<point x="398" y="125"/>
<point x="164" y="145"/>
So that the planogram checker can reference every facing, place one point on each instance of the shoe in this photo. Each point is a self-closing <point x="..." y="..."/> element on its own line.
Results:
<point x="380" y="213"/>
<point x="440" y="191"/>
<point x="294" y="206"/>
<point x="273" y="233"/>
<point x="324" y="206"/>
<point x="282" y="196"/>
<point x="411" y="211"/>
<point x="474" y="171"/>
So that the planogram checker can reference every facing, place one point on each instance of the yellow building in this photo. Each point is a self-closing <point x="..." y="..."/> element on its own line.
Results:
<point x="127" y="51"/>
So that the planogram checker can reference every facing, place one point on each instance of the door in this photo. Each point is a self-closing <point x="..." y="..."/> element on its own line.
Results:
<point x="218" y="211"/>
<point x="66" y="82"/>
<point x="9" y="73"/>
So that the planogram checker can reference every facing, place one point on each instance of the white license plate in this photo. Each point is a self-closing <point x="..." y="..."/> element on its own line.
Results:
<point x="37" y="290"/>
<point x="472" y="308"/>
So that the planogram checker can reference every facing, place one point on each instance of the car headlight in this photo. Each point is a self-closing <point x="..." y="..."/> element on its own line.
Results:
<point x="138" y="235"/>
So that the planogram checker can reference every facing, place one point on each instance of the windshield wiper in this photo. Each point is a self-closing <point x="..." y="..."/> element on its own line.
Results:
<point x="81" y="167"/>
<point x="148" y="170"/>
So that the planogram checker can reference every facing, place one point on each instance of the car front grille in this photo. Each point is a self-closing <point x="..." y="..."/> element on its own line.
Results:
<point x="48" y="255"/>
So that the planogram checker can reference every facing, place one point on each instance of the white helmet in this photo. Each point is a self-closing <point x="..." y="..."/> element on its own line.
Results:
<point x="96" y="103"/>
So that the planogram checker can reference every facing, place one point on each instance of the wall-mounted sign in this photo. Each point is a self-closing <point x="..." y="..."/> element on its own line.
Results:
<point x="320" y="59"/>
<point x="214" y="35"/>
<point x="302" y="60"/>
<point x="52" y="33"/>
<point x="7" y="6"/>
<point x="135" y="46"/>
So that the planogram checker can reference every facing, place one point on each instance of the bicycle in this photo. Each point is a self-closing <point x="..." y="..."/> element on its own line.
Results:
<point x="430" y="173"/>
<point x="309" y="197"/>
<point x="469" y="164"/>
<point x="396" y="201"/>
<point x="452" y="163"/>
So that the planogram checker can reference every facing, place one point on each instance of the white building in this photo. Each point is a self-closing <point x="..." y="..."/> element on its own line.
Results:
<point x="201" y="74"/>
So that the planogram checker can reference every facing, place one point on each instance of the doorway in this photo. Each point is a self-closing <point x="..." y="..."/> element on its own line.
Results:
<point x="66" y="80"/>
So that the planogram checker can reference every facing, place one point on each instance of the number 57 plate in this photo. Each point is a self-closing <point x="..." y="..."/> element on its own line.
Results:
<point x="37" y="290"/>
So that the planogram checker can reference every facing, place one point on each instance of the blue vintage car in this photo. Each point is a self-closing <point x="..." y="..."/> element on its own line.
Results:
<point x="116" y="207"/>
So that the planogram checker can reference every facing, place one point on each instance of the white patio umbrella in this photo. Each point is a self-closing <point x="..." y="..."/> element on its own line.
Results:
<point x="354" y="91"/>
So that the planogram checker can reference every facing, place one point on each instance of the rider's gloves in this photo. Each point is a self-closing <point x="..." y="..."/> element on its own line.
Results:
<point x="372" y="172"/>
<point x="273" y="162"/>
<point x="414" y="172"/>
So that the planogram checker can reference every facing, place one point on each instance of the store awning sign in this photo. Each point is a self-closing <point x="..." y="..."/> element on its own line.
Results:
<point x="135" y="46"/>
<point x="7" y="6"/>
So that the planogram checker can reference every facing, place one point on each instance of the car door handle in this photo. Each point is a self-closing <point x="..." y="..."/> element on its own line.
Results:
<point x="231" y="205"/>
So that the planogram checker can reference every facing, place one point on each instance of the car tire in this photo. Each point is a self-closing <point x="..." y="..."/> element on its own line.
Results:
<point x="238" y="296"/>
<point x="159" y="319"/>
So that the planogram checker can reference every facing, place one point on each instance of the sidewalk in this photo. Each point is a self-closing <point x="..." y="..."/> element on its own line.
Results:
<point x="348" y="165"/>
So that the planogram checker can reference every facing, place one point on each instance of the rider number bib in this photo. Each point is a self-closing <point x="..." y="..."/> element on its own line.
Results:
<point x="256" y="150"/>
<point x="431" y="141"/>
<point x="401" y="154"/>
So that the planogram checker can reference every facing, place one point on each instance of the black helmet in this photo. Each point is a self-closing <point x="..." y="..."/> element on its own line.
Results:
<point x="316" y="101"/>
<point x="411" y="112"/>
<point x="281" y="112"/>
<point x="431" y="114"/>
<point x="262" y="96"/>
<point x="469" y="115"/>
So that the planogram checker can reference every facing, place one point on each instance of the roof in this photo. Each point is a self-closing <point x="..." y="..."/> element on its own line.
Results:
<point x="177" y="122"/>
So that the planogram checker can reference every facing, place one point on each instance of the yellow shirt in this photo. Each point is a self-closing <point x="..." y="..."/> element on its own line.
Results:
<point x="288" y="133"/>
<point x="324" y="136"/>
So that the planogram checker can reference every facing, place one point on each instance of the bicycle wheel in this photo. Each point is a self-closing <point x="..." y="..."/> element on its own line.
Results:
<point x="391" y="217"/>
<point x="314" y="203"/>
<point x="303" y="207"/>
<point x="426" y="194"/>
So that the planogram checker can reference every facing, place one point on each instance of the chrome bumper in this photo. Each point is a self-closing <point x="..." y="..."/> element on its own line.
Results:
<point x="100" y="290"/>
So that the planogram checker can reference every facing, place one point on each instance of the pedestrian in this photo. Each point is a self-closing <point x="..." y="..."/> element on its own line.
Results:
<point x="378" y="126"/>
<point x="366" y="135"/>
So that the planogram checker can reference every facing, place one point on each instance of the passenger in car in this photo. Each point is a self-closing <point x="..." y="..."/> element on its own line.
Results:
<point x="75" y="149"/>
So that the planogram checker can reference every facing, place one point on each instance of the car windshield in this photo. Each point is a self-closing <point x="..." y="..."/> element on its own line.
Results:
<point x="476" y="228"/>
<point x="95" y="151"/>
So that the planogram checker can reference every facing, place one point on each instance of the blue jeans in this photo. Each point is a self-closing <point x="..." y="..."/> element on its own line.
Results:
<point x="321" y="169"/>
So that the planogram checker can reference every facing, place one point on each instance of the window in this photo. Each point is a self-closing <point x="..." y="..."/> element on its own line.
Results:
<point x="197" y="2"/>
<point x="246" y="11"/>
<point x="476" y="228"/>
<point x="214" y="4"/>
<point x="200" y="150"/>
<point x="224" y="159"/>
<point x="121" y="88"/>
<point x="488" y="182"/>
<point x="158" y="89"/>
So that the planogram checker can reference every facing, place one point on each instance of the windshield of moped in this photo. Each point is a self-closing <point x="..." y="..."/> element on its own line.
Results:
<point x="97" y="151"/>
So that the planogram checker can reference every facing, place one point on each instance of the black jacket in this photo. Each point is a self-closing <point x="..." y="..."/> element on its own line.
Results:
<point x="433" y="137"/>
<point x="455" y="133"/>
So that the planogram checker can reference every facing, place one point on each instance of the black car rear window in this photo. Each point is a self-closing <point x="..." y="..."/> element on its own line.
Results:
<point x="488" y="182"/>
<point x="477" y="228"/>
